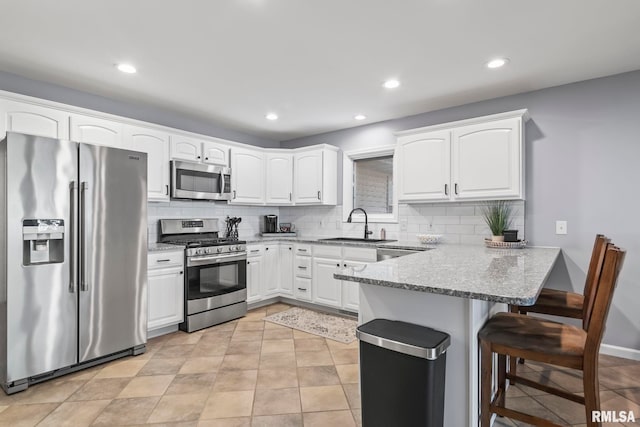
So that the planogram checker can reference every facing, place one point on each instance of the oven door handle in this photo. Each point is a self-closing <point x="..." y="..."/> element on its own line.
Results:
<point x="215" y="259"/>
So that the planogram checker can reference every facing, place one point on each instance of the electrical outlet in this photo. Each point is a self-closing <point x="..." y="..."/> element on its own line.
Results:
<point x="321" y="223"/>
<point x="403" y="224"/>
<point x="561" y="227"/>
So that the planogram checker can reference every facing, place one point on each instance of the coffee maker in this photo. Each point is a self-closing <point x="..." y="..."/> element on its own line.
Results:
<point x="270" y="224"/>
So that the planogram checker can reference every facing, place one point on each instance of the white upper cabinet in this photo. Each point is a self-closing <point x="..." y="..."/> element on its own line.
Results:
<point x="315" y="176"/>
<point x="93" y="130"/>
<point x="33" y="119"/>
<point x="247" y="176"/>
<point x="194" y="150"/>
<point x="279" y="179"/>
<point x="425" y="161"/>
<point x="185" y="148"/>
<point x="487" y="160"/>
<point x="215" y="154"/>
<point x="475" y="159"/>
<point x="156" y="145"/>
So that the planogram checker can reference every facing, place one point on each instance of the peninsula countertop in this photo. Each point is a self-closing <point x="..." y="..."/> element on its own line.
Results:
<point x="512" y="276"/>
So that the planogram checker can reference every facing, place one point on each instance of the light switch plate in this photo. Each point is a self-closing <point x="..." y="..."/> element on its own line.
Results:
<point x="561" y="227"/>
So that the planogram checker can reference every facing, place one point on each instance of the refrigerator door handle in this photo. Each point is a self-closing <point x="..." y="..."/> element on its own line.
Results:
<point x="84" y="286"/>
<point x="73" y="258"/>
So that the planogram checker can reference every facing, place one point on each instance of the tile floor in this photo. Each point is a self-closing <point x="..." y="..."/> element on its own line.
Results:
<point x="255" y="373"/>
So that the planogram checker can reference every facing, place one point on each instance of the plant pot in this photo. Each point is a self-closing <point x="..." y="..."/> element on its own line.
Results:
<point x="497" y="238"/>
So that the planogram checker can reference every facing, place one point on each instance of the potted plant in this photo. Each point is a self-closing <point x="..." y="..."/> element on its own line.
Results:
<point x="497" y="215"/>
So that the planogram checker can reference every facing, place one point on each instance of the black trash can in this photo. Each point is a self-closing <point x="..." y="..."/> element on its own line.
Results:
<point x="402" y="371"/>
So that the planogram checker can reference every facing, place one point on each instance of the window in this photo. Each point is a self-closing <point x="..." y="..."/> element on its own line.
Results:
<point x="368" y="183"/>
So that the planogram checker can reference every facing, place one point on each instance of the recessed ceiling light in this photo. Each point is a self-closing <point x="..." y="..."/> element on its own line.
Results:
<point x="126" y="68"/>
<point x="360" y="117"/>
<point x="272" y="116"/>
<point x="391" y="84"/>
<point x="497" y="63"/>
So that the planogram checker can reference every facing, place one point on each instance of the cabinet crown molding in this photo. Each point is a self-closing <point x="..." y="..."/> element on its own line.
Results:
<point x="523" y="114"/>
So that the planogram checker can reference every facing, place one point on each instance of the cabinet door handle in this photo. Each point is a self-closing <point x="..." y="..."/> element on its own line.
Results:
<point x="289" y="247"/>
<point x="345" y="264"/>
<point x="446" y="189"/>
<point x="266" y="249"/>
<point x="302" y="268"/>
<point x="234" y="194"/>
<point x="302" y="289"/>
<point x="290" y="197"/>
<point x="198" y="156"/>
<point x="338" y="265"/>
<point x="319" y="195"/>
<point x="455" y="188"/>
<point x="302" y="250"/>
<point x="182" y="272"/>
<point x="206" y="158"/>
<point x="253" y="251"/>
<point x="248" y="263"/>
<point x="166" y="189"/>
<point x="163" y="260"/>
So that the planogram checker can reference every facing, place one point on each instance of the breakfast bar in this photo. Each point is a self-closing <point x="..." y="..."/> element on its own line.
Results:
<point x="455" y="289"/>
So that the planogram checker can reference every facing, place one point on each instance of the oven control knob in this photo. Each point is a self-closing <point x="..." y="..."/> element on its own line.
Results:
<point x="219" y="250"/>
<point x="238" y="248"/>
<point x="199" y="251"/>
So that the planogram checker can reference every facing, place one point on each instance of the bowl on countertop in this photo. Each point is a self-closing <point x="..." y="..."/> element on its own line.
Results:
<point x="431" y="239"/>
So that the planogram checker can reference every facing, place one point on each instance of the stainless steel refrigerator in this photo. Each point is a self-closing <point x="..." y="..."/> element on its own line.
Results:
<point x="73" y="257"/>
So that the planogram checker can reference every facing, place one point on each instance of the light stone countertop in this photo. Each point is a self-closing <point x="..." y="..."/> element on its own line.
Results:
<point x="317" y="240"/>
<point x="512" y="276"/>
<point x="160" y="247"/>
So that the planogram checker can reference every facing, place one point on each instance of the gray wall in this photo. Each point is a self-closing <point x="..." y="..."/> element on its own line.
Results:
<point x="583" y="166"/>
<point x="17" y="84"/>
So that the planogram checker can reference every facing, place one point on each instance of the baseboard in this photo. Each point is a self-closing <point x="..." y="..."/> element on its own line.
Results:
<point x="614" y="350"/>
<point x="162" y="331"/>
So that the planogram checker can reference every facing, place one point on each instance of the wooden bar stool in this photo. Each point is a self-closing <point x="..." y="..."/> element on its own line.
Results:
<point x="516" y="335"/>
<point x="567" y="304"/>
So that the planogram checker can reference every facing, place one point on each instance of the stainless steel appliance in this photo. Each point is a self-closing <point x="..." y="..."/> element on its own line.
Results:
<point x="215" y="285"/>
<point x="199" y="181"/>
<point x="270" y="224"/>
<point x="73" y="257"/>
<point x="388" y="253"/>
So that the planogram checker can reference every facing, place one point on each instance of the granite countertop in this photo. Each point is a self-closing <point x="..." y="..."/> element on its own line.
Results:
<point x="159" y="247"/>
<point x="513" y="276"/>
<point x="318" y="240"/>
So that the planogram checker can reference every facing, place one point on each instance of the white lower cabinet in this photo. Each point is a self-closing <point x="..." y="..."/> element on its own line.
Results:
<point x="271" y="270"/>
<point x="255" y="265"/>
<point x="305" y="272"/>
<point x="165" y="279"/>
<point x="326" y="289"/>
<point x="351" y="290"/>
<point x="286" y="268"/>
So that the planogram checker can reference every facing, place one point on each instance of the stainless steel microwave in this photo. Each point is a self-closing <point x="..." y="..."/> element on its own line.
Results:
<point x="199" y="181"/>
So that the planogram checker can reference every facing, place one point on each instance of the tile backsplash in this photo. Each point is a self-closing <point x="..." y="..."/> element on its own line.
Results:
<point x="249" y="227"/>
<point x="458" y="222"/>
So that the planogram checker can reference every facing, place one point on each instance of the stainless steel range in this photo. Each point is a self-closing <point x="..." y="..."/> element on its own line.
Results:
<point x="215" y="285"/>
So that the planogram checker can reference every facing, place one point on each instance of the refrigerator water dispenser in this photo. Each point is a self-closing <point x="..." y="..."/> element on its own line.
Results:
<point x="43" y="241"/>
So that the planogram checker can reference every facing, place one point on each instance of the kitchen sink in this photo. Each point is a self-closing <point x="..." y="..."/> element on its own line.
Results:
<point x="355" y="239"/>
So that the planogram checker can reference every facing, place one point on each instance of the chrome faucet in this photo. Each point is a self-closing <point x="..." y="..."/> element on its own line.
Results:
<point x="366" y="221"/>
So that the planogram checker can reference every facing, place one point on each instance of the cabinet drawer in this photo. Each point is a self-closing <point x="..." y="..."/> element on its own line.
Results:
<point x="164" y="259"/>
<point x="326" y="251"/>
<point x="303" y="250"/>
<point x="254" y="250"/>
<point x="302" y="266"/>
<point x="302" y="288"/>
<point x="360" y="254"/>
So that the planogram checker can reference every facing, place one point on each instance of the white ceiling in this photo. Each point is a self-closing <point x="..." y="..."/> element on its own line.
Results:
<point x="315" y="63"/>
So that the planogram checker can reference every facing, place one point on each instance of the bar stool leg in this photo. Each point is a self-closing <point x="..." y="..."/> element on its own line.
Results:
<point x="486" y="364"/>
<point x="591" y="390"/>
